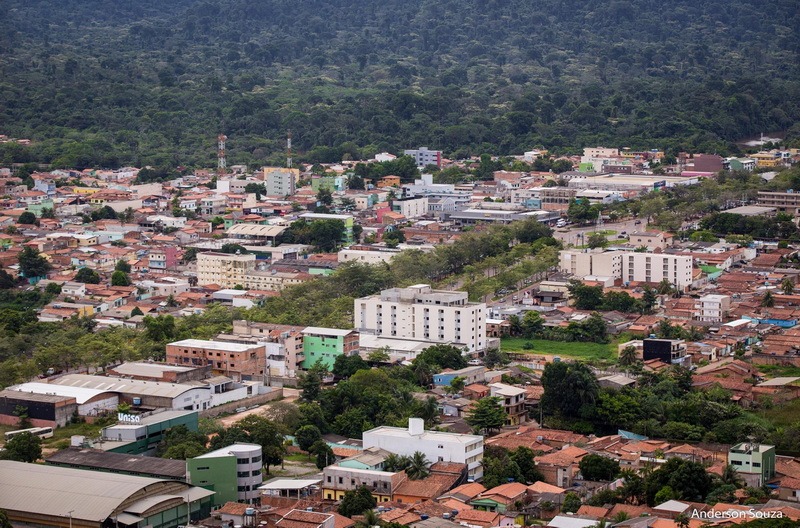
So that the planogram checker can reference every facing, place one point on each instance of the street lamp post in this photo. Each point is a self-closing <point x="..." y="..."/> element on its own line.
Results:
<point x="70" y="517"/>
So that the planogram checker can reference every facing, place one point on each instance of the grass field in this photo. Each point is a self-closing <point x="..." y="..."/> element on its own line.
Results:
<point x="782" y="415"/>
<point x="587" y="351"/>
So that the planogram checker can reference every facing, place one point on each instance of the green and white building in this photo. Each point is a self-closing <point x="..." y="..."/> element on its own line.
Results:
<point x="233" y="473"/>
<point x="753" y="461"/>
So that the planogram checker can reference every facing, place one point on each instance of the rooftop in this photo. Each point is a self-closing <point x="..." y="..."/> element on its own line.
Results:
<point x="149" y="388"/>
<point x="88" y="495"/>
<point x="81" y="394"/>
<point x="223" y="346"/>
<point x="233" y="449"/>
<point x="119" y="462"/>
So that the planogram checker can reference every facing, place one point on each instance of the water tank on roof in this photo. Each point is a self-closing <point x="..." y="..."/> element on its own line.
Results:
<point x="137" y="401"/>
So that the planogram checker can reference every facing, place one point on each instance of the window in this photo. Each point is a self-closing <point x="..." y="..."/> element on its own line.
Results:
<point x="255" y="473"/>
<point x="242" y="460"/>
<point x="341" y="480"/>
<point x="204" y="468"/>
<point x="757" y="464"/>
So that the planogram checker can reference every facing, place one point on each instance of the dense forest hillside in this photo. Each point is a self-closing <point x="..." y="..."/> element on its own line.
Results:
<point x="110" y="82"/>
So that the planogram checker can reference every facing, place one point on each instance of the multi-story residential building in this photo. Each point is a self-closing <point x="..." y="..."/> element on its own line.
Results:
<point x="425" y="157"/>
<point x="163" y="258"/>
<point x="231" y="271"/>
<point x="233" y="473"/>
<point x="239" y="361"/>
<point x="213" y="205"/>
<point x="712" y="308"/>
<point x="785" y="202"/>
<point x="326" y="344"/>
<point x="669" y="351"/>
<point x="754" y="461"/>
<point x="284" y="344"/>
<point x="630" y="266"/>
<point x="419" y="312"/>
<point x="512" y="399"/>
<point x="280" y="181"/>
<point x="224" y="269"/>
<point x="435" y="445"/>
<point x="338" y="480"/>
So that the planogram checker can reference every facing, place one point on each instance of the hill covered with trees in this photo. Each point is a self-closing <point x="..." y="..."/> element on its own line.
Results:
<point x="148" y="82"/>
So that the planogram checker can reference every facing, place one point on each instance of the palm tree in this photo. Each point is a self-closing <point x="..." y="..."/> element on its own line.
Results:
<point x="767" y="301"/>
<point x="787" y="286"/>
<point x="370" y="519"/>
<point x="731" y="476"/>
<point x="628" y="356"/>
<point x="418" y="467"/>
<point x="391" y="462"/>
<point x="429" y="410"/>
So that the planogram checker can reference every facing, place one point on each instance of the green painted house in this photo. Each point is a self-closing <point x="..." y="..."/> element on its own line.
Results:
<point x="142" y="436"/>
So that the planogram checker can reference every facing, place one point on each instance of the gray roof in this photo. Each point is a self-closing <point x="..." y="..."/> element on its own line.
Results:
<point x="81" y="394"/>
<point x="162" y="467"/>
<point x="129" y="386"/>
<point x="55" y="491"/>
<point x="148" y="369"/>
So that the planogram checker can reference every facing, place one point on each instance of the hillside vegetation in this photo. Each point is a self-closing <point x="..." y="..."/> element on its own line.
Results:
<point x="109" y="83"/>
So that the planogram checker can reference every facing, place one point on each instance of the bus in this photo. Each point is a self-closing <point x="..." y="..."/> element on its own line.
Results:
<point x="41" y="432"/>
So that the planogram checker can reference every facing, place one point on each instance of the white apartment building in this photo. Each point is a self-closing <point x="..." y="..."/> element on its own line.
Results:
<point x="421" y="313"/>
<point x="425" y="157"/>
<point x="280" y="181"/>
<point x="248" y="469"/>
<point x="629" y="266"/>
<point x="712" y="308"/>
<point x="437" y="446"/>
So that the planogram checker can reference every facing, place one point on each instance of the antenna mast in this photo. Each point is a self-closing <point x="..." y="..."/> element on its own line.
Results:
<point x="222" y="162"/>
<point x="289" y="149"/>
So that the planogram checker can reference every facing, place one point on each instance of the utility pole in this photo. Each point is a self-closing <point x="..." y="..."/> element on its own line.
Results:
<point x="70" y="517"/>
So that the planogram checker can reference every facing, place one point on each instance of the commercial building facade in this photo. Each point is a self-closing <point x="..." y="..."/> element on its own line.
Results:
<point x="421" y="313"/>
<point x="280" y="181"/>
<point x="424" y="157"/>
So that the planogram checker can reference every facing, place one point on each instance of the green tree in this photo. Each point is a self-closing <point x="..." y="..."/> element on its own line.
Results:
<point x="311" y="383"/>
<point x="4" y="521"/>
<point x="356" y="502"/>
<point x="53" y="288"/>
<point x="787" y="286"/>
<point x="418" y="466"/>
<point x="32" y="264"/>
<point x="532" y="324"/>
<point x="596" y="467"/>
<point x="233" y="249"/>
<point x="648" y="300"/>
<point x="120" y="278"/>
<point x="442" y="357"/>
<point x="346" y="366"/>
<point x="487" y="415"/>
<point x="572" y="503"/>
<point x="597" y="240"/>
<point x="27" y="218"/>
<point x="523" y="457"/>
<point x="87" y="276"/>
<point x="307" y="436"/>
<point x="323" y="454"/>
<point x="568" y="387"/>
<point x="265" y="433"/>
<point x="123" y="266"/>
<point x="585" y="297"/>
<point x="24" y="447"/>
<point x="628" y="356"/>
<point x="495" y="357"/>
<point x="378" y="356"/>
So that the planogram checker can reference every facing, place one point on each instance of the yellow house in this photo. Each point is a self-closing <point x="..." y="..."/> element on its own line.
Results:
<point x="338" y="480"/>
